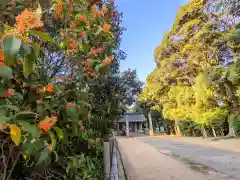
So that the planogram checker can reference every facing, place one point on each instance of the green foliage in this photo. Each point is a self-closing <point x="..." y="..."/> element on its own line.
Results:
<point x="55" y="106"/>
<point x="192" y="81"/>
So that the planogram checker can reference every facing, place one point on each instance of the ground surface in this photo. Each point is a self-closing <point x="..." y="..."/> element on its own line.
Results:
<point x="148" y="158"/>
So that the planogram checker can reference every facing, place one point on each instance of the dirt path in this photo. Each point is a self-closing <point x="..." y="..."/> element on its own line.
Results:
<point x="144" y="162"/>
<point x="225" y="144"/>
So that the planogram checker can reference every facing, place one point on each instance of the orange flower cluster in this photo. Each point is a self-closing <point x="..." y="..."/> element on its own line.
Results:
<point x="28" y="20"/>
<point x="92" y="73"/>
<point x="73" y="46"/>
<point x="95" y="12"/>
<point x="8" y="93"/>
<point x="89" y="69"/>
<point x="1" y="57"/>
<point x="107" y="61"/>
<point x="69" y="106"/>
<point x="49" y="88"/>
<point x="106" y="28"/>
<point x="96" y="51"/>
<point x="59" y="8"/>
<point x="47" y="123"/>
<point x="74" y="25"/>
<point x="82" y="34"/>
<point x="83" y="19"/>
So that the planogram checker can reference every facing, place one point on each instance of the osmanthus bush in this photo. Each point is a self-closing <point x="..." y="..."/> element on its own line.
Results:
<point x="49" y="51"/>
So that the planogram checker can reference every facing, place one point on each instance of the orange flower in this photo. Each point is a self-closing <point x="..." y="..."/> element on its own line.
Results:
<point x="107" y="61"/>
<point x="111" y="57"/>
<point x="74" y="25"/>
<point x="28" y="20"/>
<point x="59" y="8"/>
<point x="9" y="92"/>
<point x="47" y="123"/>
<point x="89" y="60"/>
<point x="45" y="126"/>
<point x="82" y="34"/>
<point x="96" y="50"/>
<point x="92" y="73"/>
<point x="1" y="57"/>
<point x="70" y="8"/>
<point x="42" y="90"/>
<point x="50" y="88"/>
<point x="95" y="11"/>
<point x="93" y="52"/>
<point x="111" y="1"/>
<point x="69" y="105"/>
<point x="73" y="44"/>
<point x="83" y="18"/>
<point x="106" y="27"/>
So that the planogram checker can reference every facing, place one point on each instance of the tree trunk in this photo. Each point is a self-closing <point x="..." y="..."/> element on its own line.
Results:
<point x="214" y="133"/>
<point x="194" y="134"/>
<point x="177" y="129"/>
<point x="222" y="132"/>
<point x="231" y="132"/>
<point x="204" y="132"/>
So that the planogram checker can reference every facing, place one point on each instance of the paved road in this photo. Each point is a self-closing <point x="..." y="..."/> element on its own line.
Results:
<point x="198" y="157"/>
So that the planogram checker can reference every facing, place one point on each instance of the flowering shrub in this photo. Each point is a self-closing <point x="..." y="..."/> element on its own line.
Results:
<point x="45" y="104"/>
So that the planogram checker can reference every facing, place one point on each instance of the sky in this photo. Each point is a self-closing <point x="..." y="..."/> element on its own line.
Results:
<point x="146" y="22"/>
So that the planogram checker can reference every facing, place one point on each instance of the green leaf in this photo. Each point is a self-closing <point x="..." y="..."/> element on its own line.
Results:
<point x="69" y="166"/>
<point x="9" y="60"/>
<point x="2" y="91"/>
<point x="4" y="119"/>
<point x="85" y="103"/>
<point x="54" y="141"/>
<point x="238" y="33"/>
<point x="47" y="106"/>
<point x="29" y="64"/>
<point x="5" y="72"/>
<point x="59" y="132"/>
<point x="44" y="155"/>
<point x="26" y="48"/>
<point x="11" y="107"/>
<point x="36" y="49"/>
<point x="32" y="129"/>
<point x="97" y="67"/>
<point x="18" y="96"/>
<point x="56" y="156"/>
<point x="40" y="110"/>
<point x="43" y="36"/>
<point x="86" y="47"/>
<point x="238" y="26"/>
<point x="11" y="46"/>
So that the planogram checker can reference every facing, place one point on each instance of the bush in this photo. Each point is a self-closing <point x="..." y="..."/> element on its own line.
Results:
<point x="48" y="62"/>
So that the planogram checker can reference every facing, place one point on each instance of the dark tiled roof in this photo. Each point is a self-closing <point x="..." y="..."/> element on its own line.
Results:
<point x="133" y="117"/>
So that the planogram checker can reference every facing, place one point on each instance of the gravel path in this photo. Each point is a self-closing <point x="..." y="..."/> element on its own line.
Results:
<point x="143" y="161"/>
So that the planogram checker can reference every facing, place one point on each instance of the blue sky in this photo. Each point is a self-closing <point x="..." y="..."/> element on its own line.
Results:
<point x="146" y="23"/>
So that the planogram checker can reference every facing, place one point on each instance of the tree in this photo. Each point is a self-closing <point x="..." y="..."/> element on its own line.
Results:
<point x="199" y="41"/>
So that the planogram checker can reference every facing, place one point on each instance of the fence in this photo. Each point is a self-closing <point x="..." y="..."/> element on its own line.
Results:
<point x="113" y="165"/>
